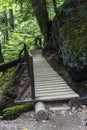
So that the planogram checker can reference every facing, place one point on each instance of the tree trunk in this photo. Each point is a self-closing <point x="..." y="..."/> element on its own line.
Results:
<point x="1" y="56"/>
<point x="11" y="18"/>
<point x="6" y="25"/>
<point x="55" y="5"/>
<point x="41" y="14"/>
<point x="21" y="7"/>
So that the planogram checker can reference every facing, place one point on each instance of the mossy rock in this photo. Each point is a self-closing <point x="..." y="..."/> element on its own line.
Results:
<point x="73" y="39"/>
<point x="14" y="110"/>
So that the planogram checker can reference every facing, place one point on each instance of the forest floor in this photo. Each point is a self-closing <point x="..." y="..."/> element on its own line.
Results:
<point x="65" y="119"/>
<point x="58" y="120"/>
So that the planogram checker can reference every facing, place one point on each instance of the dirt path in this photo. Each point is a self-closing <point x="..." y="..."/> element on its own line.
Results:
<point x="58" y="120"/>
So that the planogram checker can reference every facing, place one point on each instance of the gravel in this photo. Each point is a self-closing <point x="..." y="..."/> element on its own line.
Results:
<point x="58" y="120"/>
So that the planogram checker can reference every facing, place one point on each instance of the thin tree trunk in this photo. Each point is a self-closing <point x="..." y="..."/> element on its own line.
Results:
<point x="41" y="14"/>
<point x="11" y="18"/>
<point x="21" y="7"/>
<point x="1" y="56"/>
<point x="55" y="5"/>
<point x="6" y="25"/>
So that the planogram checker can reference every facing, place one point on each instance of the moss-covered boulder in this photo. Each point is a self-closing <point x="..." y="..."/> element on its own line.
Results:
<point x="71" y="22"/>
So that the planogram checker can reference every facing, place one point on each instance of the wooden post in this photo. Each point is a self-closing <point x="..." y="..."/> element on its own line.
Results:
<point x="41" y="112"/>
<point x="28" y="64"/>
<point x="26" y="54"/>
<point x="29" y="60"/>
<point x="32" y="76"/>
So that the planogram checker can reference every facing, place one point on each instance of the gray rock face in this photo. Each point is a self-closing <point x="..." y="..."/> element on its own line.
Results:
<point x="70" y="36"/>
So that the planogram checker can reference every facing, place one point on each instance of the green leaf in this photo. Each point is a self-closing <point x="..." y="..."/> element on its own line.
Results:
<point x="1" y="117"/>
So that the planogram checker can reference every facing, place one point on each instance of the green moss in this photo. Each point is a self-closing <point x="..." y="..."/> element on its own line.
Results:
<point x="7" y="78"/>
<point x="16" y="109"/>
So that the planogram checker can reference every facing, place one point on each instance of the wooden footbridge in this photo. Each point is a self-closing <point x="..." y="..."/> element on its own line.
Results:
<point x="46" y="84"/>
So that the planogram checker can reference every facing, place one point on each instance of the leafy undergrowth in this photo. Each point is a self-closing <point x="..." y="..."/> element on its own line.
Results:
<point x="6" y="78"/>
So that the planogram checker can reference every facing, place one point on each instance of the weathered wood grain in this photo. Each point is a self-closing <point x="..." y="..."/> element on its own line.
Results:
<point x="48" y="84"/>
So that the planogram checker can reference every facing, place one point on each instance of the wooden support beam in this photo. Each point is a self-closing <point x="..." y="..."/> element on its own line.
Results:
<point x="5" y="66"/>
<point x="32" y="76"/>
<point x="27" y="85"/>
<point x="41" y="112"/>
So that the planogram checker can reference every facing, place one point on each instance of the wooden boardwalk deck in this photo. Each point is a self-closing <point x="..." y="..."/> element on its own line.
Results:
<point x="49" y="86"/>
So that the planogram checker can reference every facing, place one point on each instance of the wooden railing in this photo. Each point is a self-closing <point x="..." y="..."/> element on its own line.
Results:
<point x="29" y="60"/>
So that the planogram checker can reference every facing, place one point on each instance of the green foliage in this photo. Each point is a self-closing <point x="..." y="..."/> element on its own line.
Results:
<point x="1" y="74"/>
<point x="26" y="26"/>
<point x="16" y="109"/>
<point x="24" y="33"/>
<point x="6" y="79"/>
<point x="1" y="117"/>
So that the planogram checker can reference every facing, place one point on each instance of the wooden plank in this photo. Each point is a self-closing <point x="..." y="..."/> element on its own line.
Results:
<point x="45" y="75"/>
<point x="64" y="95"/>
<point x="45" y="99"/>
<point x="54" y="98"/>
<point x="51" y="83"/>
<point x="41" y="65"/>
<point x="55" y="93"/>
<point x="23" y="100"/>
<point x="44" y="72"/>
<point x="49" y="78"/>
<point x="51" y="88"/>
<point x="52" y="91"/>
<point x="58" y="81"/>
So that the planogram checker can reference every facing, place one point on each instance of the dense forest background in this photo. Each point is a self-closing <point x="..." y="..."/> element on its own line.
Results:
<point x="18" y="25"/>
<point x="60" y="24"/>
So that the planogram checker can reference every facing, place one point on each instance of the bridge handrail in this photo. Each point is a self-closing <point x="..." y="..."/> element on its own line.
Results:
<point x="29" y="60"/>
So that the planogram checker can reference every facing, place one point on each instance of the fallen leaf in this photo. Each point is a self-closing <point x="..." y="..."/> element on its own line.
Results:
<point x="25" y="128"/>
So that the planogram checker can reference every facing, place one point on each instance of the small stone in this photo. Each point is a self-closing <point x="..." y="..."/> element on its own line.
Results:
<point x="75" y="103"/>
<point x="63" y="113"/>
<point x="55" y="126"/>
<point x="83" y="106"/>
<point x="32" y="115"/>
<point x="43" y="121"/>
<point x="73" y="109"/>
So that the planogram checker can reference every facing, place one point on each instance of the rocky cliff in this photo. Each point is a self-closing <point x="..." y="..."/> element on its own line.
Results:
<point x="69" y="37"/>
